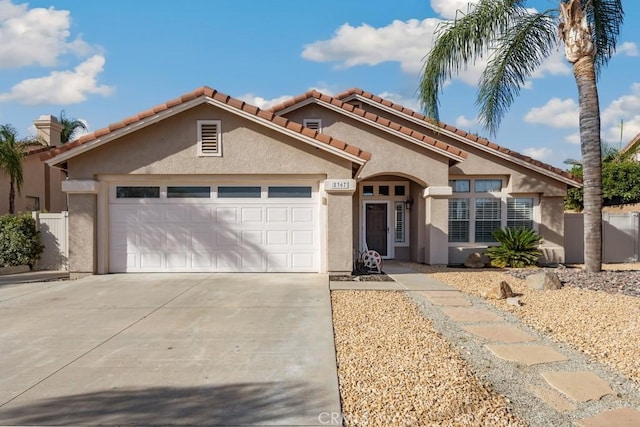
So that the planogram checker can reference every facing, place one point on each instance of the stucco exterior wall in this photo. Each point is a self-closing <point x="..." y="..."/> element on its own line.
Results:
<point x="169" y="147"/>
<point x="82" y="234"/>
<point x="480" y="162"/>
<point x="407" y="160"/>
<point x="551" y="228"/>
<point x="339" y="233"/>
<point x="33" y="185"/>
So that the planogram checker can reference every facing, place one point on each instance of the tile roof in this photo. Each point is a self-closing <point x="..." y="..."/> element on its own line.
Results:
<point x="632" y="145"/>
<point x="205" y="91"/>
<point x="459" y="132"/>
<point x="314" y="94"/>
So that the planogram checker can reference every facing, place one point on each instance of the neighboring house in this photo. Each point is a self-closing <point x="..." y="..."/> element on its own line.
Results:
<point x="41" y="189"/>
<point x="633" y="148"/>
<point x="207" y="182"/>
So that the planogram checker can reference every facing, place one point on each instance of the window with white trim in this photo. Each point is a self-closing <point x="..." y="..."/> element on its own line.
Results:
<point x="314" y="124"/>
<point x="209" y="138"/>
<point x="480" y="206"/>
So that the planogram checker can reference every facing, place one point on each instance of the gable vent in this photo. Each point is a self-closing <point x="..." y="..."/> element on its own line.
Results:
<point x="209" y="136"/>
<point x="314" y="124"/>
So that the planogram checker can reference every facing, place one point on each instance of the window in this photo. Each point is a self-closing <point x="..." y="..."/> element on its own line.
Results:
<point x="458" y="220"/>
<point x="488" y="185"/>
<point x="290" y="192"/>
<point x="520" y="213"/>
<point x="399" y="190"/>
<point x="367" y="190"/>
<point x="32" y="203"/>
<point x="189" y="192"/>
<point x="460" y="185"/>
<point x="209" y="138"/>
<point x="399" y="227"/>
<point x="315" y="124"/>
<point x="488" y="218"/>
<point x="473" y="217"/>
<point x="383" y="190"/>
<point x="138" y="192"/>
<point x="239" y="192"/>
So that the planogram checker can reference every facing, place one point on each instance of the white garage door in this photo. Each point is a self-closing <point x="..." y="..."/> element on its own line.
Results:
<point x="214" y="228"/>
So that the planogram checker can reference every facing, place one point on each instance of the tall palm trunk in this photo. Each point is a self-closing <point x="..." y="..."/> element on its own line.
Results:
<point x="585" y="75"/>
<point x="580" y="51"/>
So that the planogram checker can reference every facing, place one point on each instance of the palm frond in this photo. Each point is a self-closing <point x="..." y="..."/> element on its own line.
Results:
<point x="460" y="43"/>
<point x="606" y="18"/>
<point x="69" y="127"/>
<point x="12" y="152"/>
<point x="530" y="39"/>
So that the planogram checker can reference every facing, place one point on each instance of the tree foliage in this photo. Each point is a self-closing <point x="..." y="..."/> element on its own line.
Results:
<point x="620" y="183"/>
<point x="70" y="126"/>
<point x="12" y="151"/>
<point x="19" y="241"/>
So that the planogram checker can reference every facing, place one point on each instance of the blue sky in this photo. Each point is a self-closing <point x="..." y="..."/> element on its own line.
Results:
<point x="102" y="61"/>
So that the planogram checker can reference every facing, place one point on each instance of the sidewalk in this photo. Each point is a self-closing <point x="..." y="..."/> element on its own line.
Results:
<point x="547" y="383"/>
<point x="33" y="276"/>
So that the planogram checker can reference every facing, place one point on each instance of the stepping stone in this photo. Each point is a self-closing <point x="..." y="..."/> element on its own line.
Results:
<point x="442" y="294"/>
<point x="580" y="386"/>
<point x="526" y="354"/>
<point x="553" y="399"/>
<point x="621" y="417"/>
<point x="464" y="314"/>
<point x="501" y="332"/>
<point x="452" y="302"/>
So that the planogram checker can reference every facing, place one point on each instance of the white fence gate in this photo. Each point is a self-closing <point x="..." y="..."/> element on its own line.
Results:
<point x="54" y="235"/>
<point x="620" y="237"/>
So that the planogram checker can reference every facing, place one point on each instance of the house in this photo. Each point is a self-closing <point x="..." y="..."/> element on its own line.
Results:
<point x="632" y="148"/>
<point x="206" y="182"/>
<point x="41" y="189"/>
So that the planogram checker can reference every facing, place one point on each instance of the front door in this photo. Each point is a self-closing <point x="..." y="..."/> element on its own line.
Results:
<point x="377" y="228"/>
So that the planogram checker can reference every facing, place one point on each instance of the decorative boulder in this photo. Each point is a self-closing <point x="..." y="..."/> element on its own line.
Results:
<point x="545" y="280"/>
<point x="500" y="290"/>
<point x="474" y="260"/>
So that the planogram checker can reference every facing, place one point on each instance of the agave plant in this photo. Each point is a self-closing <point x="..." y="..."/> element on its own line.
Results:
<point x="518" y="248"/>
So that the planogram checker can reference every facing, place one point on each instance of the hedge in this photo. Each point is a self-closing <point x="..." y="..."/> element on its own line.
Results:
<point x="19" y="241"/>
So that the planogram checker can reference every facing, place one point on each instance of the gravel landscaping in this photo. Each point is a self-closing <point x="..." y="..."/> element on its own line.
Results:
<point x="395" y="369"/>
<point x="594" y="313"/>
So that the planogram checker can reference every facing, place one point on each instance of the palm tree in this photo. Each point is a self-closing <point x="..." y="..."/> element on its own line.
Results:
<point x="12" y="152"/>
<point x="70" y="127"/>
<point x="517" y="40"/>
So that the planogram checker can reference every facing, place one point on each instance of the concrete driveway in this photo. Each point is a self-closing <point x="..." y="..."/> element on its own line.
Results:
<point x="188" y="349"/>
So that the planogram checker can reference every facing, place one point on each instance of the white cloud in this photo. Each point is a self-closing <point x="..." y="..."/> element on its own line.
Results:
<point x="628" y="49"/>
<point x="61" y="87"/>
<point x="464" y="123"/>
<point x="450" y="8"/>
<point x="574" y="138"/>
<point x="556" y="113"/>
<point x="539" y="153"/>
<point x="35" y="36"/>
<point x="261" y="102"/>
<point x="623" y="111"/>
<point x="403" y="42"/>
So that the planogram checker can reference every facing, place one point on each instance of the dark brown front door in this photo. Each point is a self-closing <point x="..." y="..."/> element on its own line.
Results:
<point x="376" y="227"/>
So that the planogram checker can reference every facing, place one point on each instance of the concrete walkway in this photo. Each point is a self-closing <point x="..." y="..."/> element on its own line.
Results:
<point x="553" y="383"/>
<point x="168" y="349"/>
<point x="33" y="276"/>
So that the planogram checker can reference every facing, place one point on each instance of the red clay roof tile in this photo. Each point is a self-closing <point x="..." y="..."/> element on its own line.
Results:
<point x="217" y="96"/>
<point x="473" y="138"/>
<point x="313" y="94"/>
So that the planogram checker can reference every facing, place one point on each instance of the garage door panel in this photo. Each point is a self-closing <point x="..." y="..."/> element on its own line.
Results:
<point x="277" y="215"/>
<point x="221" y="235"/>
<point x="226" y="215"/>
<point x="250" y="215"/>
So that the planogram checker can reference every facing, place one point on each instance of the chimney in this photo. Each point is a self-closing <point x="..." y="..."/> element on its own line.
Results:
<point x="48" y="130"/>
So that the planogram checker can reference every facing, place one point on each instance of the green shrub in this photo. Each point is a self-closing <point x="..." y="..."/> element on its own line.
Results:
<point x="19" y="241"/>
<point x="518" y="248"/>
